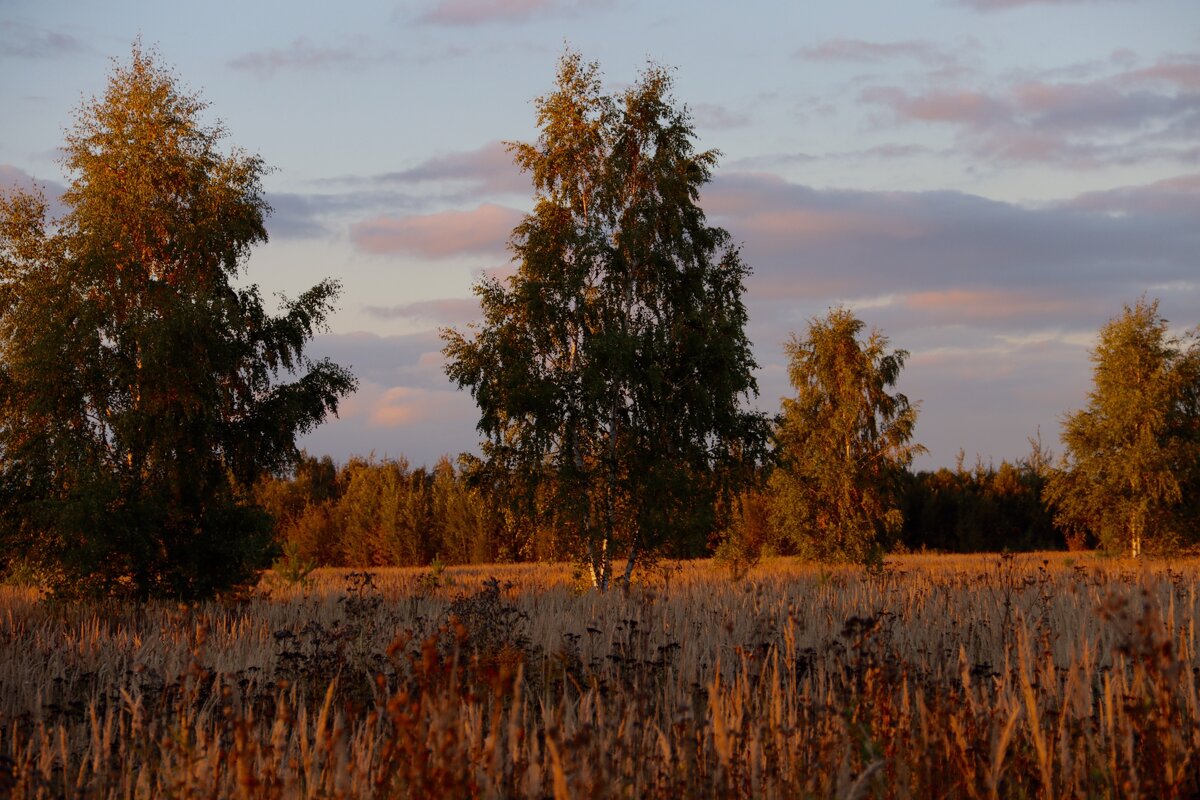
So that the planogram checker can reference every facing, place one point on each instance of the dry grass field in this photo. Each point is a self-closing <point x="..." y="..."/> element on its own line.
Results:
<point x="979" y="676"/>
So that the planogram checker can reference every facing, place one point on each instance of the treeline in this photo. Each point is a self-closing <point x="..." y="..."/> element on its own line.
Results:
<point x="372" y="512"/>
<point x="982" y="509"/>
<point x="386" y="512"/>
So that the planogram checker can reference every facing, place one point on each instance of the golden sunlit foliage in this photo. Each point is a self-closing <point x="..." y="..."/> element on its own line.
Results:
<point x="1131" y="476"/>
<point x="842" y="442"/>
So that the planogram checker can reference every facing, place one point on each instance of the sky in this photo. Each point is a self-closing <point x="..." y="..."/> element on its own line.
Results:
<point x="987" y="182"/>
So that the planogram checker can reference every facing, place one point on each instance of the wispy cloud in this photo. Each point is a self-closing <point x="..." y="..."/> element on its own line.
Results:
<point x="303" y="53"/>
<point x="718" y="117"/>
<point x="447" y="233"/>
<point x="487" y="170"/>
<point x="1130" y="116"/>
<point x="936" y="61"/>
<point x="861" y="50"/>
<point x="19" y="40"/>
<point x="12" y="178"/>
<point x="444" y="311"/>
<point x="307" y="215"/>
<point x="296" y="216"/>
<point x="996" y="302"/>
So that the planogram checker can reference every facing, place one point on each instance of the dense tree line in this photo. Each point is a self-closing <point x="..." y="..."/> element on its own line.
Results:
<point x="982" y="509"/>
<point x="387" y="513"/>
<point x="374" y="512"/>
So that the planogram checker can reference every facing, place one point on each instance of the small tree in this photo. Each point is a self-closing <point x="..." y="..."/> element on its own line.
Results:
<point x="141" y="392"/>
<point x="842" y="442"/>
<point x="611" y="368"/>
<point x="1130" y="476"/>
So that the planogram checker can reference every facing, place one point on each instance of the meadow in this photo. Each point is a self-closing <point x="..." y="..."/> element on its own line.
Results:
<point x="983" y="676"/>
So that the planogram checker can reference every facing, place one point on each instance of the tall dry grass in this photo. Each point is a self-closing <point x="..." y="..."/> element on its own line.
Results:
<point x="974" y="676"/>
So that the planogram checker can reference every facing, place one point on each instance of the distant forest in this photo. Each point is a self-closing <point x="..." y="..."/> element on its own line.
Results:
<point x="373" y="512"/>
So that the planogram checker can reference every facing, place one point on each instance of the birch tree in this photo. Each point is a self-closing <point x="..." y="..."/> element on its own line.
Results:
<point x="842" y="442"/>
<point x="612" y="368"/>
<point x="1130" y="476"/>
<point x="142" y="389"/>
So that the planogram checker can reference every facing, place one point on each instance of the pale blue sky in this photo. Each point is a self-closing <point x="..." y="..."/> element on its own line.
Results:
<point x="985" y="180"/>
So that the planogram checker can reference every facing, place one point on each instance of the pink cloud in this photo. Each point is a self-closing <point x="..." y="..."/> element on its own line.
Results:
<point x="1177" y="196"/>
<point x="984" y="304"/>
<point x="448" y="233"/>
<point x="1183" y="72"/>
<point x="970" y="107"/>
<point x="805" y="243"/>
<point x="402" y="405"/>
<point x="1091" y="107"/>
<point x="477" y="12"/>
<point x="1121" y="119"/>
<point x="422" y="424"/>
<point x="380" y="406"/>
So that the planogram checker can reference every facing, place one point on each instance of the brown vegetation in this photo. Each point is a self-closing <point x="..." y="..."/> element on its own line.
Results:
<point x="951" y="676"/>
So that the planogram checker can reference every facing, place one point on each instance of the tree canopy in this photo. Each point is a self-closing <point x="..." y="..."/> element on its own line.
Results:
<point x="1130" y="476"/>
<point x="142" y="390"/>
<point x="610" y="370"/>
<point x="842" y="442"/>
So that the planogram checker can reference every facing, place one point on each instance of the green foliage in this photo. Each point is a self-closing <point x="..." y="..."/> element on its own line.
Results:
<point x="1130" y="477"/>
<point x="374" y="512"/>
<point x="142" y="390"/>
<point x="748" y="533"/>
<point x="20" y="572"/>
<point x="610" y="369"/>
<point x="842" y="442"/>
<point x="292" y="567"/>
<point x="981" y="509"/>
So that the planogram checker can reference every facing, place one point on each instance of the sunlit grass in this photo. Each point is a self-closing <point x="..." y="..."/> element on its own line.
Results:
<point x="958" y="676"/>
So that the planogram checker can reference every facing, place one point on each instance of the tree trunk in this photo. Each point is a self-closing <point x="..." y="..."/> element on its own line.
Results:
<point x="600" y="564"/>
<point x="627" y="576"/>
